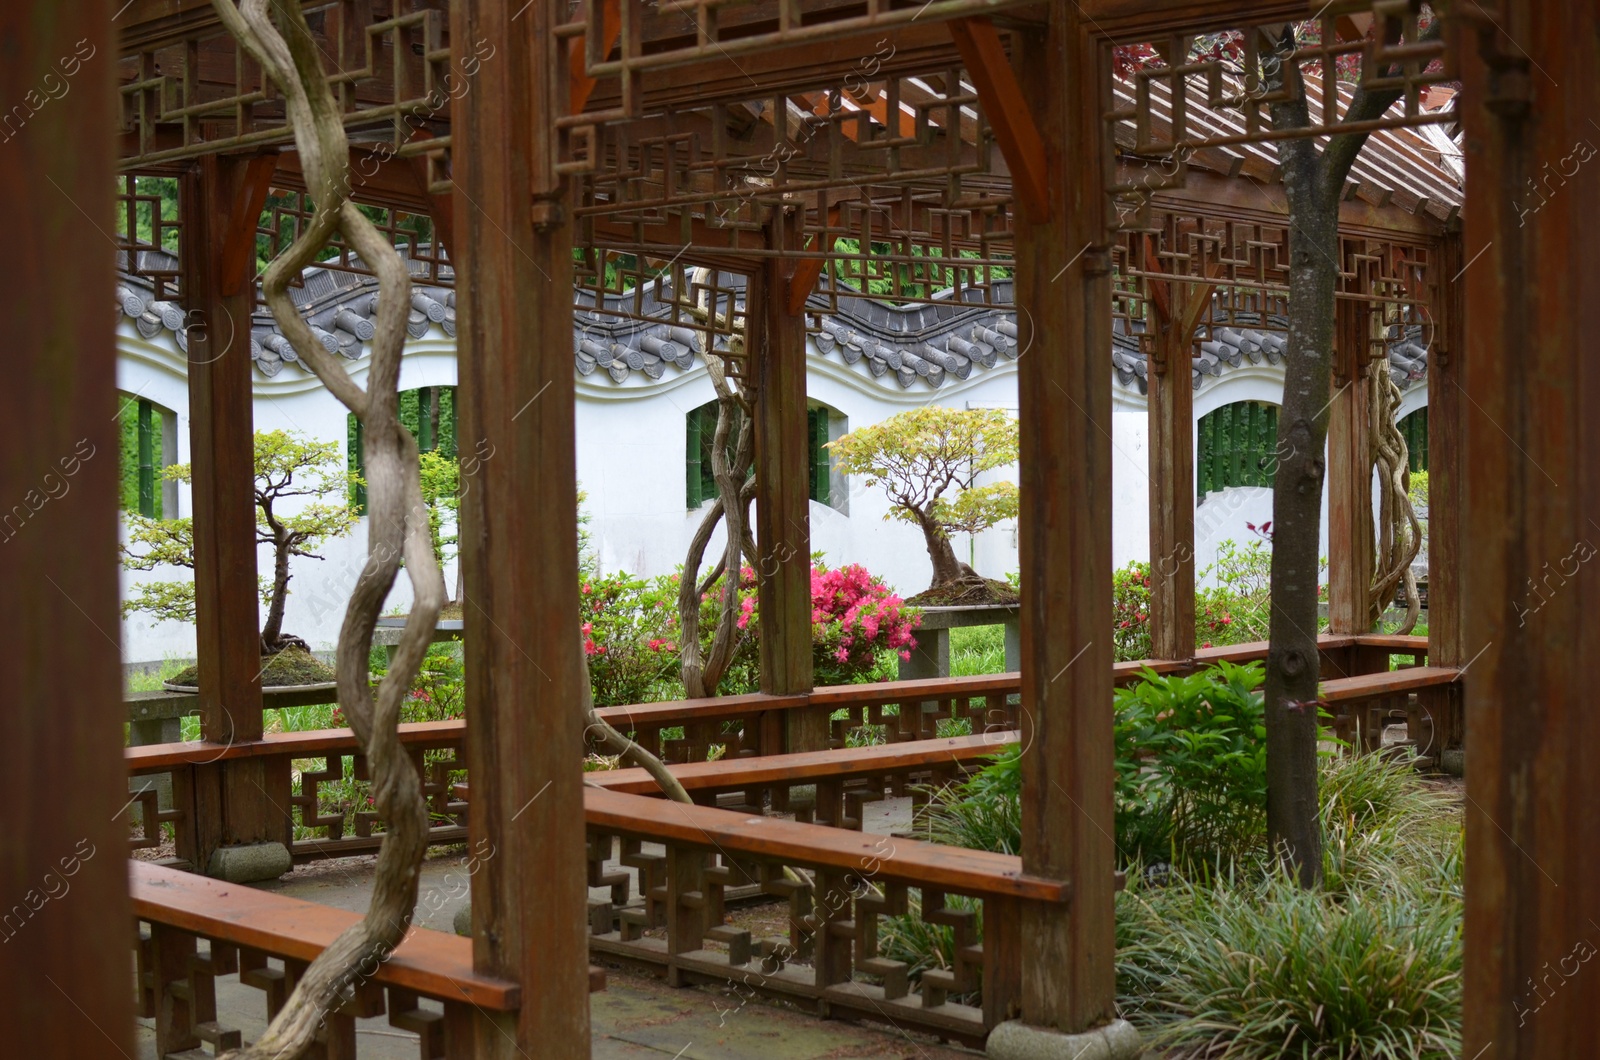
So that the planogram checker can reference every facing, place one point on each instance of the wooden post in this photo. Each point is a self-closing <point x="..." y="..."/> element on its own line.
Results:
<point x="1349" y="476"/>
<point x="64" y="912"/>
<point x="777" y="349"/>
<point x="524" y="668"/>
<point x="1171" y="412"/>
<point x="1064" y="391"/>
<point x="1447" y="415"/>
<point x="1530" y="491"/>
<point x="234" y="800"/>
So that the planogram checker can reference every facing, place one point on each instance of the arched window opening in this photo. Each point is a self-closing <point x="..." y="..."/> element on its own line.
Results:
<point x="1237" y="442"/>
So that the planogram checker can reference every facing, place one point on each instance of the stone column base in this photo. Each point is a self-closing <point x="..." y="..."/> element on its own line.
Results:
<point x="1015" y="1040"/>
<point x="463" y="920"/>
<point x="251" y="863"/>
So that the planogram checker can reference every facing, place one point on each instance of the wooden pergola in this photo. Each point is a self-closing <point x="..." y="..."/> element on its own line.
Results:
<point x="752" y="136"/>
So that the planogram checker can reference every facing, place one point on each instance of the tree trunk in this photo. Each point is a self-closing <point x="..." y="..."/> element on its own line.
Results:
<point x="272" y="631"/>
<point x="946" y="568"/>
<point x="1293" y="825"/>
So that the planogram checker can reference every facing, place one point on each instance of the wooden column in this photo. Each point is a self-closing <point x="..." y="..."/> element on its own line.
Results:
<point x="1530" y="526"/>
<point x="777" y="347"/>
<point x="1064" y="391"/>
<point x="1349" y="475"/>
<point x="524" y="669"/>
<point x="66" y="917"/>
<point x="1448" y="415"/>
<point x="1171" y="412"/>
<point x="219" y="202"/>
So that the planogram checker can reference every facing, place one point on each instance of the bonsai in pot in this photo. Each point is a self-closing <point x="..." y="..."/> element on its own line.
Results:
<point x="928" y="461"/>
<point x="289" y="467"/>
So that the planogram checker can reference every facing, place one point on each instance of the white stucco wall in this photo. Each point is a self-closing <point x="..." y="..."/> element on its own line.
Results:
<point x="630" y="457"/>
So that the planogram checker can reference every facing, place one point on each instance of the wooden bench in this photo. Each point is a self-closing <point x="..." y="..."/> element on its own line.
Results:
<point x="844" y="778"/>
<point x="244" y="927"/>
<point x="1362" y="704"/>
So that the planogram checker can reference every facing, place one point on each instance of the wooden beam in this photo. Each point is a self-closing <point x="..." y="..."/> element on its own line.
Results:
<point x="1063" y="295"/>
<point x="1007" y="108"/>
<point x="1530" y="523"/>
<point x="580" y="85"/>
<point x="777" y="347"/>
<point x="238" y="258"/>
<point x="807" y="271"/>
<point x="64" y="974"/>
<point x="525" y="673"/>
<point x="236" y="802"/>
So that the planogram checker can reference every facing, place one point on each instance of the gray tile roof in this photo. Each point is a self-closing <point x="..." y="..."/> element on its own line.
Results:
<point x="917" y="345"/>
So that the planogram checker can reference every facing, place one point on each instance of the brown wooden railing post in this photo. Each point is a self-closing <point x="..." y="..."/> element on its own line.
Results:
<point x="777" y="352"/>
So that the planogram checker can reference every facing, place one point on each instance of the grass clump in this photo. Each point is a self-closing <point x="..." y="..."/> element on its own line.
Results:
<point x="1255" y="967"/>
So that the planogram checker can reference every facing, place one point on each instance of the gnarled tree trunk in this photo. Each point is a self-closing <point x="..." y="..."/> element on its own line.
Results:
<point x="397" y="516"/>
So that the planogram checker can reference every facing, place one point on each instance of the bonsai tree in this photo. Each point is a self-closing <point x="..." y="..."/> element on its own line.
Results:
<point x="928" y="461"/>
<point x="288" y="465"/>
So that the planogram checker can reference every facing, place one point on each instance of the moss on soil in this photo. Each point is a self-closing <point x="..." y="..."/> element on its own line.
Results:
<point x="452" y="612"/>
<point x="967" y="593"/>
<point x="291" y="667"/>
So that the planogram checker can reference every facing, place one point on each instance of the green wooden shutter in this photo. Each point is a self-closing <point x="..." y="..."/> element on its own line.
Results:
<point x="425" y="438"/>
<point x="447" y="421"/>
<point x="358" y="466"/>
<point x="1203" y="484"/>
<point x="1269" y="471"/>
<point x="692" y="495"/>
<point x="147" y="471"/>
<point x="1414" y="428"/>
<point x="817" y="431"/>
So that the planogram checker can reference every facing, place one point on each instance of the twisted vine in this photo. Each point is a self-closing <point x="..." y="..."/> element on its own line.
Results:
<point x="397" y="517"/>
<point x="1399" y="532"/>
<point x="736" y="487"/>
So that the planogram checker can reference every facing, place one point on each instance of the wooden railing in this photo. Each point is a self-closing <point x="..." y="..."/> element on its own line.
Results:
<point x="672" y="885"/>
<point x="296" y="793"/>
<point x="190" y="930"/>
<point x="844" y="893"/>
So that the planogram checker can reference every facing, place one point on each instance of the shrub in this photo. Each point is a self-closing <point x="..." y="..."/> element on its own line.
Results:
<point x="627" y="628"/>
<point x="1232" y="958"/>
<point x="1130" y="612"/>
<point x="1191" y="761"/>
<point x="855" y="619"/>
<point x="1257" y="969"/>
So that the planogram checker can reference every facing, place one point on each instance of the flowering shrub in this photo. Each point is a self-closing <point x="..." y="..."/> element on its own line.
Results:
<point x="628" y="637"/>
<point x="854" y="618"/>
<point x="1130" y="612"/>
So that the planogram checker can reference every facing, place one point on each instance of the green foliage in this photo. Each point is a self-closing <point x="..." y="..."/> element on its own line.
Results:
<point x="627" y="626"/>
<point x="287" y="465"/>
<point x="927" y="460"/>
<point x="1191" y="761"/>
<point x="977" y="650"/>
<point x="441" y="492"/>
<point x="1257" y="969"/>
<point x="984" y="812"/>
<point x="1238" y="607"/>
<point x="1231" y="957"/>
<point x="1130" y="612"/>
